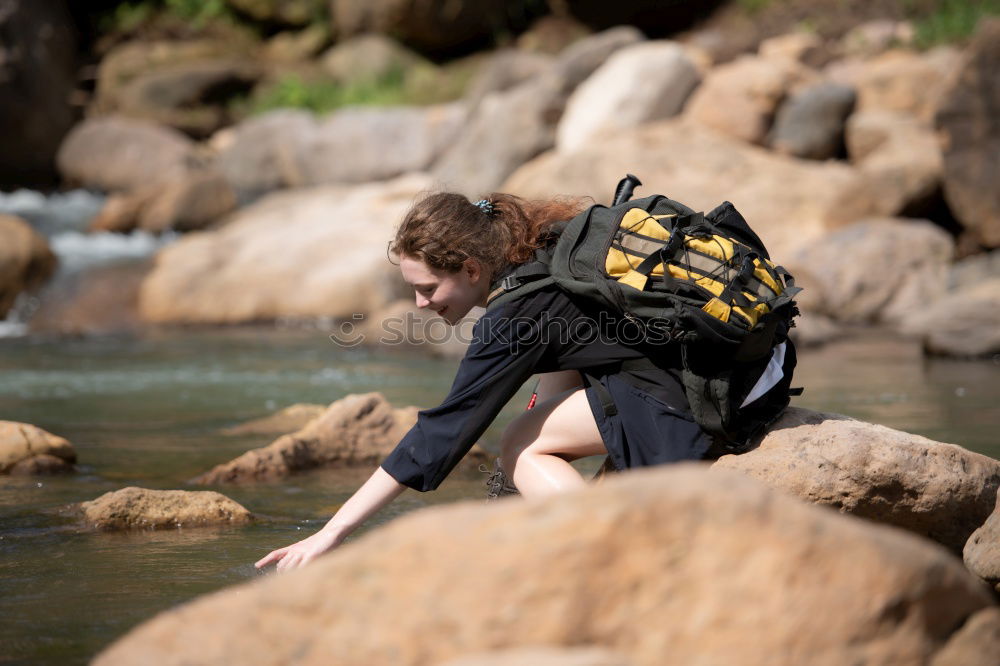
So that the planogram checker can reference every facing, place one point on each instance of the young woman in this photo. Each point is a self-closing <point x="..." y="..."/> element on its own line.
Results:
<point x="455" y="253"/>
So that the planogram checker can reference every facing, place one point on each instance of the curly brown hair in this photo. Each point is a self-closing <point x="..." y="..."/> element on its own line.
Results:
<point x="444" y="229"/>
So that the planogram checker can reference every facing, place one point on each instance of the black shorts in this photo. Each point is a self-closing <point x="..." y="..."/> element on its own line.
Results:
<point x="645" y="431"/>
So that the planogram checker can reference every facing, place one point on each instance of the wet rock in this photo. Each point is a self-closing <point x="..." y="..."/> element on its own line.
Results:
<point x="758" y="570"/>
<point x="939" y="491"/>
<point x="877" y="270"/>
<point x="507" y="129"/>
<point x="355" y="430"/>
<point x="788" y="202"/>
<point x="977" y="642"/>
<point x="27" y="449"/>
<point x="289" y="419"/>
<point x="369" y="57"/>
<point x="116" y="153"/>
<point x="982" y="551"/>
<point x="968" y="122"/>
<point x="318" y="252"/>
<point x="25" y="260"/>
<point x="436" y="27"/>
<point x="38" y="75"/>
<point x="142" y="508"/>
<point x="810" y="124"/>
<point x="740" y="98"/>
<point x="963" y="322"/>
<point x="898" y="154"/>
<point x="637" y="84"/>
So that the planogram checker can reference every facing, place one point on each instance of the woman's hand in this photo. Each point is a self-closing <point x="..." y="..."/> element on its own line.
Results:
<point x="303" y="552"/>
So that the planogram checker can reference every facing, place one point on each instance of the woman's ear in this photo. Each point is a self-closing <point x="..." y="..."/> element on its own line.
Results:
<point x="473" y="269"/>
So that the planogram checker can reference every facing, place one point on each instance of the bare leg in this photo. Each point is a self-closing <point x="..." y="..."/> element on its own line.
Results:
<point x="537" y="447"/>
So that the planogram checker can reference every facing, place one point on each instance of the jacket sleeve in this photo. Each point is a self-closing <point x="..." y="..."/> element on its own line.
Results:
<point x="503" y="354"/>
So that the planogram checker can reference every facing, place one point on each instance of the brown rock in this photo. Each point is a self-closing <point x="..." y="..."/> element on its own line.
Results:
<point x="114" y="153"/>
<point x="896" y="266"/>
<point x="788" y="202"/>
<point x="22" y="442"/>
<point x="190" y="202"/>
<point x="898" y="154"/>
<point x="963" y="323"/>
<point x="141" y="508"/>
<point x="940" y="491"/>
<point x="968" y="122"/>
<point x="355" y="430"/>
<point x="369" y="57"/>
<point x="25" y="260"/>
<point x="306" y="253"/>
<point x="707" y="568"/>
<point x="40" y="465"/>
<point x="982" y="551"/>
<point x="120" y="213"/>
<point x="289" y="419"/>
<point x="402" y="323"/>
<point x="739" y="98"/>
<point x="551" y="34"/>
<point x="543" y="657"/>
<point x="977" y="642"/>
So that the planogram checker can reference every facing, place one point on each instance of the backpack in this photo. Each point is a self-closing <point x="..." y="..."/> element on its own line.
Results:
<point x="703" y="281"/>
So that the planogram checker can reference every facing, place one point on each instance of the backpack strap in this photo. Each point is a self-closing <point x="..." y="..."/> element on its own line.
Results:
<point x="531" y="271"/>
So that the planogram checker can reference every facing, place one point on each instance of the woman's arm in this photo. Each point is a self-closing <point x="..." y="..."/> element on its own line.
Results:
<point x="377" y="491"/>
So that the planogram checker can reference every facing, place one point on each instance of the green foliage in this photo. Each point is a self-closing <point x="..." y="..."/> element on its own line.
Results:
<point x="198" y="12"/>
<point x="322" y="96"/>
<point x="951" y="21"/>
<point x="753" y="6"/>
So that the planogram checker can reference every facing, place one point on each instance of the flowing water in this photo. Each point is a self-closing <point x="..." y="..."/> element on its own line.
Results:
<point x="147" y="411"/>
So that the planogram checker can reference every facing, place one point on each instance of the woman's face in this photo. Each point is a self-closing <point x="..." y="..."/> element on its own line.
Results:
<point x="451" y="295"/>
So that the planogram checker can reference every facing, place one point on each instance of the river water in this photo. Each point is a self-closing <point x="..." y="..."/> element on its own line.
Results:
<point x="148" y="410"/>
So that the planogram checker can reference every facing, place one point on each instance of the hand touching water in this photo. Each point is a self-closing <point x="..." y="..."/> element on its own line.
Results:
<point x="302" y="552"/>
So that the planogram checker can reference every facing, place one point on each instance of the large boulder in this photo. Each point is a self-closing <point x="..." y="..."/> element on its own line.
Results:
<point x="355" y="430"/>
<point x="963" y="322"/>
<point x="702" y="567"/>
<point x="509" y="128"/>
<point x="810" y="123"/>
<point x="142" y="508"/>
<point x="25" y="260"/>
<point x="789" y="202"/>
<point x="900" y="80"/>
<point x="981" y="553"/>
<point x="368" y="57"/>
<point x="302" y="253"/>
<point x="977" y="642"/>
<point x="940" y="491"/>
<point x="740" y="98"/>
<point x="27" y="449"/>
<point x="503" y="70"/>
<point x="899" y="155"/>
<point x="637" y="84"/>
<point x="876" y="270"/>
<point x="38" y="74"/>
<point x="968" y="122"/>
<point x="289" y="148"/>
<point x="116" y="153"/>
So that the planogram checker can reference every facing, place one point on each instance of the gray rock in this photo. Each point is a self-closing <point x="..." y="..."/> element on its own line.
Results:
<point x="259" y="152"/>
<point x="972" y="270"/>
<point x="116" y="153"/>
<point x="810" y="123"/>
<point x="968" y="121"/>
<point x="506" y="69"/>
<point x="368" y="57"/>
<point x="38" y="73"/>
<point x="639" y="83"/>
<point x="508" y="129"/>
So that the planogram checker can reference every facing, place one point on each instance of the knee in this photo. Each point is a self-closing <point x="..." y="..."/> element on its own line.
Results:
<point x="511" y="448"/>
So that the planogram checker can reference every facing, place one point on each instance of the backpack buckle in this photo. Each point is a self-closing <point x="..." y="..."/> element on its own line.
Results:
<point x="510" y="282"/>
